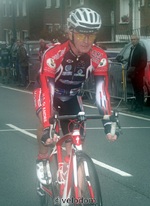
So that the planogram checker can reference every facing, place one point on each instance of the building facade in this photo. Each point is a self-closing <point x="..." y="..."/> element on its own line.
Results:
<point x="34" y="19"/>
<point x="132" y="16"/>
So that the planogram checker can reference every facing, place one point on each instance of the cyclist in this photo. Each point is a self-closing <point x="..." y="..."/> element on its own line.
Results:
<point x="64" y="69"/>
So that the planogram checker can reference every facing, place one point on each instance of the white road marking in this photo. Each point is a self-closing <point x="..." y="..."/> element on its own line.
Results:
<point x="87" y="128"/>
<point x="101" y="164"/>
<point x="21" y="130"/>
<point x="102" y="128"/>
<point x="15" y="89"/>
<point x="86" y="105"/>
<point x="12" y="130"/>
<point x="113" y="169"/>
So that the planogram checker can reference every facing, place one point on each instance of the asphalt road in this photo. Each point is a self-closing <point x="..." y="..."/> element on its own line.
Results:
<point x="123" y="166"/>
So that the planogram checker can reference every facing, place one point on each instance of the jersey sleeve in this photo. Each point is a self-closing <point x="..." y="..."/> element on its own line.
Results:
<point x="37" y="97"/>
<point x="47" y="76"/>
<point x="100" y="63"/>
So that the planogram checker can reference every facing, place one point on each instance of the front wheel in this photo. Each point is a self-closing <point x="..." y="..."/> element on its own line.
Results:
<point x="88" y="182"/>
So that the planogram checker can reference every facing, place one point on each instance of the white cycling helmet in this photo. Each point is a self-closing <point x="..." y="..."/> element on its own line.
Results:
<point x="84" y="20"/>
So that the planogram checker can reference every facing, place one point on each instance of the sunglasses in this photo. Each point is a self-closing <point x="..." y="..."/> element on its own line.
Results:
<point x="81" y="37"/>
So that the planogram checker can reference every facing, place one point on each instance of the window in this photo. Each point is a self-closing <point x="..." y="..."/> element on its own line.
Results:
<point x="124" y="11"/>
<point x="56" y="27"/>
<point x="48" y="3"/>
<point x="4" y="9"/>
<point x="18" y="34"/>
<point x="24" y="8"/>
<point x="24" y="34"/>
<point x="6" y="34"/>
<point x="49" y="27"/>
<point x="57" y="4"/>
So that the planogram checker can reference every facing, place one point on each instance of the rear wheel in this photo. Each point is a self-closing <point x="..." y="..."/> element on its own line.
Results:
<point x="88" y="182"/>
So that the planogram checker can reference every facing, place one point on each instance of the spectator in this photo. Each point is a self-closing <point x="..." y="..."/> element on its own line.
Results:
<point x="5" y="64"/>
<point x="14" y="60"/>
<point x="23" y="63"/>
<point x="42" y="48"/>
<point x="136" y="67"/>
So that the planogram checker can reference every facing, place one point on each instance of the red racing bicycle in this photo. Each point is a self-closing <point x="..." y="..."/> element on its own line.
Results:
<point x="74" y="179"/>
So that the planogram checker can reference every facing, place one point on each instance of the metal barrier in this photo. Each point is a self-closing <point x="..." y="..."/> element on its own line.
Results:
<point x="119" y="86"/>
<point x="33" y="71"/>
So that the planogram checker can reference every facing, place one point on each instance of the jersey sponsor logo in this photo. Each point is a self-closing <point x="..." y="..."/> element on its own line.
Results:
<point x="59" y="54"/>
<point x="51" y="63"/>
<point x="67" y="74"/>
<point x="81" y="63"/>
<point x="103" y="62"/>
<point x="79" y="73"/>
<point x="69" y="61"/>
<point x="96" y="56"/>
<point x="68" y="68"/>
<point x="68" y="82"/>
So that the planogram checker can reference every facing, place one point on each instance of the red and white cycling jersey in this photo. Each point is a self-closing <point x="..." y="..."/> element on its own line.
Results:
<point x="62" y="74"/>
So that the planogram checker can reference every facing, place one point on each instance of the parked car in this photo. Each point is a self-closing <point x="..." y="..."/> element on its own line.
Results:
<point x="120" y="86"/>
<point x="112" y="54"/>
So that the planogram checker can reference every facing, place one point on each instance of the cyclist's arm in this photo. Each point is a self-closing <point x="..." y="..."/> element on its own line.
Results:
<point x="102" y="92"/>
<point x="37" y="96"/>
<point x="101" y="82"/>
<point x="47" y="75"/>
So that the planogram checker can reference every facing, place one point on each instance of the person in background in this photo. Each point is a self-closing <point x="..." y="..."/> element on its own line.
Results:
<point x="5" y="63"/>
<point x="14" y="60"/>
<point x="64" y="68"/>
<point x="23" y="63"/>
<point x="136" y="63"/>
<point x="42" y="49"/>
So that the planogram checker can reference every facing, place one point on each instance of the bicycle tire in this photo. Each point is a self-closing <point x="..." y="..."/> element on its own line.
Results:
<point x="86" y="199"/>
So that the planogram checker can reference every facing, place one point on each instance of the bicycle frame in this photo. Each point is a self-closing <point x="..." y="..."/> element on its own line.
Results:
<point x="65" y="186"/>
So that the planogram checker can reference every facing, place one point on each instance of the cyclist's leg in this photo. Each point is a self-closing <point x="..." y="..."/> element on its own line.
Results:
<point x="42" y="162"/>
<point x="42" y="150"/>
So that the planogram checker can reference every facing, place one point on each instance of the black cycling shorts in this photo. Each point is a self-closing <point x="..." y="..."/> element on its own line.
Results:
<point x="70" y="107"/>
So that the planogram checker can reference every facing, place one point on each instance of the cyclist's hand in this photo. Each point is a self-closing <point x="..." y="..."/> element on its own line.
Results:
<point x="49" y="137"/>
<point x="111" y="137"/>
<point x="55" y="138"/>
<point x="110" y="131"/>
